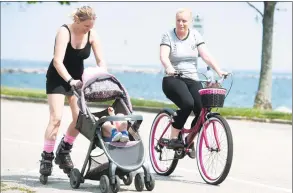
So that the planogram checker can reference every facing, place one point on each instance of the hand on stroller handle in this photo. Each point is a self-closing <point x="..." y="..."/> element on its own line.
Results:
<point x="74" y="89"/>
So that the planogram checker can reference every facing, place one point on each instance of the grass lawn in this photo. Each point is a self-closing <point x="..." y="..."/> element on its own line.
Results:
<point x="226" y="111"/>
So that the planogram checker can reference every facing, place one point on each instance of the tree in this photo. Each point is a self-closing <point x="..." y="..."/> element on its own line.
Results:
<point x="264" y="93"/>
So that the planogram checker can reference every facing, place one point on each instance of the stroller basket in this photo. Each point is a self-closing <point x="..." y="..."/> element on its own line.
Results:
<point x="212" y="97"/>
<point x="130" y="156"/>
<point x="126" y="154"/>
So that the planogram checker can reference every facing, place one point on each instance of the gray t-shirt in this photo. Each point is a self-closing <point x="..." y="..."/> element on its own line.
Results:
<point x="184" y="53"/>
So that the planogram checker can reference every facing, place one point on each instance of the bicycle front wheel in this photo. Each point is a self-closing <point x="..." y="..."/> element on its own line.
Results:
<point x="214" y="142"/>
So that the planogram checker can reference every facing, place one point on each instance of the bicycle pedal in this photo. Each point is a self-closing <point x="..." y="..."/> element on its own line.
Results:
<point x="164" y="141"/>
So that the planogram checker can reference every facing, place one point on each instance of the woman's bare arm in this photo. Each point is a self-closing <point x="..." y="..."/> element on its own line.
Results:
<point x="96" y="45"/>
<point x="209" y="59"/>
<point x="164" y="57"/>
<point x="61" y="42"/>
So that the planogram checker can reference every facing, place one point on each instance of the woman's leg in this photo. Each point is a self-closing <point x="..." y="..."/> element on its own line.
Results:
<point x="72" y="132"/>
<point x="177" y="91"/>
<point x="56" y="104"/>
<point x="194" y="87"/>
<point x="63" y="158"/>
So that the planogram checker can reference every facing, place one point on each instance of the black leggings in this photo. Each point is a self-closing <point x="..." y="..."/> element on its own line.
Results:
<point x="183" y="92"/>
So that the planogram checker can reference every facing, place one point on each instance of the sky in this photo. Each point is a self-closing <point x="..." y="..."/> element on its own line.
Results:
<point x="130" y="32"/>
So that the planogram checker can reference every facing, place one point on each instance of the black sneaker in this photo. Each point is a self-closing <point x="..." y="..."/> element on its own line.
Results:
<point x="191" y="154"/>
<point x="175" y="144"/>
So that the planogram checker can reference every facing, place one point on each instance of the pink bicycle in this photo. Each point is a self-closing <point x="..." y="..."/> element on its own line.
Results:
<point x="207" y="129"/>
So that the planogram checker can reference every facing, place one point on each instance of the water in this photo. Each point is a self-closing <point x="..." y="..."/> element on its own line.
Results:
<point x="149" y="85"/>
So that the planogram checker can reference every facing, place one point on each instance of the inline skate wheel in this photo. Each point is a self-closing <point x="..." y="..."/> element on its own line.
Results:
<point x="75" y="178"/>
<point x="116" y="187"/>
<point x="139" y="182"/>
<point x="127" y="179"/>
<point x="104" y="184"/>
<point x="43" y="179"/>
<point x="150" y="185"/>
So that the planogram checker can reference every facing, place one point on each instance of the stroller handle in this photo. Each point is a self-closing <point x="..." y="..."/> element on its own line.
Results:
<point x="74" y="89"/>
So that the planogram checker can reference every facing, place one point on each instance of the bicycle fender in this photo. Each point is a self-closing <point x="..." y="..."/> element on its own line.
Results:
<point x="169" y="110"/>
<point x="211" y="114"/>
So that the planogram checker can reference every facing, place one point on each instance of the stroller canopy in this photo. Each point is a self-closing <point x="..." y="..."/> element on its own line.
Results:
<point x="99" y="85"/>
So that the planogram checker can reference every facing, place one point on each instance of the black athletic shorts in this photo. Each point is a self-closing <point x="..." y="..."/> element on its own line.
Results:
<point x="56" y="85"/>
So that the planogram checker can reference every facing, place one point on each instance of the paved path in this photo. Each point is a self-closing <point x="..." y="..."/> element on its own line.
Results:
<point x="262" y="156"/>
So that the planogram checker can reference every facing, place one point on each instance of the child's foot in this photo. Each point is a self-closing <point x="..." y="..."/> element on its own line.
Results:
<point x="124" y="137"/>
<point x="116" y="136"/>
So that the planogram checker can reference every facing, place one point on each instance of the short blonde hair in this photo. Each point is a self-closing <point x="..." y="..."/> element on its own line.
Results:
<point x="84" y="13"/>
<point x="184" y="10"/>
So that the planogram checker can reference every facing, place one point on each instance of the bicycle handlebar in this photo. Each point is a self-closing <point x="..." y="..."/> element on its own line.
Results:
<point x="178" y="73"/>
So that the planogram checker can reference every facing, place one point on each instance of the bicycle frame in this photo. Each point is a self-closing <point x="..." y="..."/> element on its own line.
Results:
<point x="192" y="132"/>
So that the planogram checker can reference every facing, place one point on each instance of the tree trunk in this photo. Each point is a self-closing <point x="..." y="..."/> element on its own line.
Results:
<point x="264" y="93"/>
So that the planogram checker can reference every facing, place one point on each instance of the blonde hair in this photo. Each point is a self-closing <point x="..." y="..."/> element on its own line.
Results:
<point x="183" y="10"/>
<point x="84" y="13"/>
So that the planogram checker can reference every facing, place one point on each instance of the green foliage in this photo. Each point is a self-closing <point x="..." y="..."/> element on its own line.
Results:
<point x="61" y="2"/>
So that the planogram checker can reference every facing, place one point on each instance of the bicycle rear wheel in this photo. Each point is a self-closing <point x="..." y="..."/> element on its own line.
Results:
<point x="209" y="140"/>
<point x="157" y="150"/>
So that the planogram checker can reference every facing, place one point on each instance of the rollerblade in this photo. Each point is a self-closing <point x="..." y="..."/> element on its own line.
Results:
<point x="63" y="158"/>
<point x="46" y="166"/>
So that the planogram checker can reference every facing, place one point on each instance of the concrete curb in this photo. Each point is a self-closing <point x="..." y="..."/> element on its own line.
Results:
<point x="145" y="109"/>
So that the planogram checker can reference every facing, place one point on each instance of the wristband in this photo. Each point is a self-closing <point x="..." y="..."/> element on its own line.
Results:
<point x="71" y="79"/>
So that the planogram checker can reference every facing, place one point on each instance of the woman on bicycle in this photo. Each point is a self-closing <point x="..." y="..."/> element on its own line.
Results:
<point x="179" y="51"/>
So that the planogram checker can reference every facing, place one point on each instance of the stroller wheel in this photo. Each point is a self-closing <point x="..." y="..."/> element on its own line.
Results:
<point x="104" y="184"/>
<point x="150" y="185"/>
<point x="116" y="187"/>
<point x="139" y="182"/>
<point x="43" y="179"/>
<point x="127" y="179"/>
<point x="75" y="178"/>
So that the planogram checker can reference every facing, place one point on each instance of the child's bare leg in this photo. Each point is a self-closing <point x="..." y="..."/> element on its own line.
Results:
<point x="110" y="131"/>
<point x="107" y="129"/>
<point x="122" y="127"/>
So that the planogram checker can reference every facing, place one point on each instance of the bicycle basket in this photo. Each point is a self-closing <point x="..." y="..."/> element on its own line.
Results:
<point x="212" y="97"/>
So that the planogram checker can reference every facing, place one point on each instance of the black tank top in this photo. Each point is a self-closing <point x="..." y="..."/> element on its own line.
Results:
<point x="73" y="60"/>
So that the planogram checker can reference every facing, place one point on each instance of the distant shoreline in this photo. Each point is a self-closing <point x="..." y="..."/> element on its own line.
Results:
<point x="130" y="70"/>
<point x="42" y="65"/>
<point x="115" y="69"/>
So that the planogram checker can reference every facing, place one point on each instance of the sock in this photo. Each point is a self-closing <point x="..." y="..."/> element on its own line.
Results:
<point x="49" y="146"/>
<point x="113" y="130"/>
<point x="69" y="139"/>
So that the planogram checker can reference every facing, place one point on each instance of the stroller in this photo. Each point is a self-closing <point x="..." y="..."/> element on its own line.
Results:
<point x="118" y="160"/>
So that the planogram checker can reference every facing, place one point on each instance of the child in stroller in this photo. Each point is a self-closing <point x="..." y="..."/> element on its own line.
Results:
<point x="115" y="131"/>
<point x="122" y="159"/>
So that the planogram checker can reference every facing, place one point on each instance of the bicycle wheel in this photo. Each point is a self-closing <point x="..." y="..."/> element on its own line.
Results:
<point x="214" y="145"/>
<point x="157" y="143"/>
